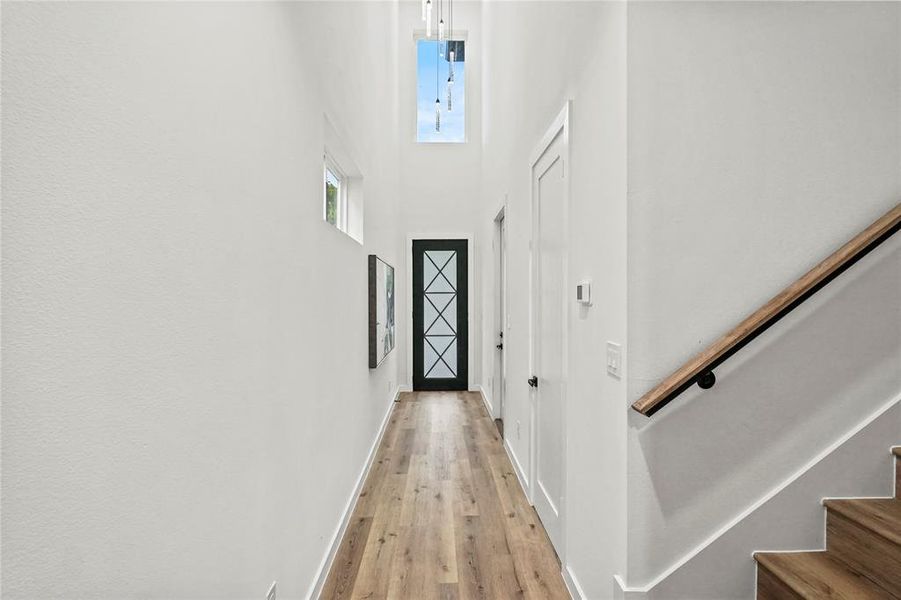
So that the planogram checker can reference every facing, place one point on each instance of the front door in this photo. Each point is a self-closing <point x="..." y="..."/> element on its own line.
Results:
<point x="440" y="315"/>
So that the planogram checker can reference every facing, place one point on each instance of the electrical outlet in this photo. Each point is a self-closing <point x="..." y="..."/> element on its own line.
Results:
<point x="270" y="595"/>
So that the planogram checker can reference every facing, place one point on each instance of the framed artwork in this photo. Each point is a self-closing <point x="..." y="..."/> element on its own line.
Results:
<point x="382" y="325"/>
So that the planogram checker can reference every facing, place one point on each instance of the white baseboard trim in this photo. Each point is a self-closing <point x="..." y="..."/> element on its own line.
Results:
<point x="485" y="400"/>
<point x="517" y="468"/>
<point x="326" y="564"/>
<point x="638" y="591"/>
<point x="572" y="584"/>
<point x="623" y="592"/>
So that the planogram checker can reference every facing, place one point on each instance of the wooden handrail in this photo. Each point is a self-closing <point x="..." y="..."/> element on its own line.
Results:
<point x="700" y="368"/>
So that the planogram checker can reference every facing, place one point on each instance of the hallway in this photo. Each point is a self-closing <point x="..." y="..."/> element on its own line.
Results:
<point x="442" y="514"/>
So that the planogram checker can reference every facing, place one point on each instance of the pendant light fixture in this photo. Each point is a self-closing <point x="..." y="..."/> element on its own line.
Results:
<point x="441" y="27"/>
<point x="450" y="96"/>
<point x="450" y="59"/>
<point x="451" y="45"/>
<point x="437" y="99"/>
<point x="445" y="48"/>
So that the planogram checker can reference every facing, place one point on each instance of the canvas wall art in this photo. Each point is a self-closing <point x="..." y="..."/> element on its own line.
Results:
<point x="382" y="325"/>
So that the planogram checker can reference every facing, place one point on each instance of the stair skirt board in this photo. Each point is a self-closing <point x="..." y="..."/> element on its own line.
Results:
<point x="640" y="592"/>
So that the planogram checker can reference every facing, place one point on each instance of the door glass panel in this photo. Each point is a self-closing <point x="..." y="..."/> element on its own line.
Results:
<point x="439" y="309"/>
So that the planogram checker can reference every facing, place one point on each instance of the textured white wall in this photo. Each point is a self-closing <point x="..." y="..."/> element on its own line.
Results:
<point x="537" y="56"/>
<point x="761" y="137"/>
<point x="186" y="403"/>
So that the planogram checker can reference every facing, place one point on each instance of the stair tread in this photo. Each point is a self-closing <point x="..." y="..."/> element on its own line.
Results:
<point x="819" y="575"/>
<point x="882" y="516"/>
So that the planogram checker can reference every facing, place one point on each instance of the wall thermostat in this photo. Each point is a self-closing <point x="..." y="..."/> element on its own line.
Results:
<point x="583" y="293"/>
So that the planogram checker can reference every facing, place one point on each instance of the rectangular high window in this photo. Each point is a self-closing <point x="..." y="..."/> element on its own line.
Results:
<point x="440" y="91"/>
<point x="334" y="196"/>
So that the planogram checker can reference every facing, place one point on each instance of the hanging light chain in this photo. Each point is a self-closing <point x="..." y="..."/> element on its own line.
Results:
<point x="437" y="84"/>
<point x="451" y="55"/>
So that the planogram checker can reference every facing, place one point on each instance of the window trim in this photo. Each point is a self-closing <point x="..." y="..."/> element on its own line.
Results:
<point x="330" y="165"/>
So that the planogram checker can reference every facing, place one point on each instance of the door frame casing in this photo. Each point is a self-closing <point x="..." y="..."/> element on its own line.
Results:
<point x="500" y="308"/>
<point x="560" y="126"/>
<point x="470" y="298"/>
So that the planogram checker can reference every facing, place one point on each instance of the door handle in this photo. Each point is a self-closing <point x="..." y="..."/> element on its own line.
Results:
<point x="533" y="381"/>
<point x="500" y="346"/>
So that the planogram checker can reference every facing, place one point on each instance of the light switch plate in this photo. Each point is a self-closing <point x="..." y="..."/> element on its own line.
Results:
<point x="583" y="293"/>
<point x="614" y="359"/>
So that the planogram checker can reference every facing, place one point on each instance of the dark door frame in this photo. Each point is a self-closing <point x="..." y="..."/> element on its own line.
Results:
<point x="461" y="381"/>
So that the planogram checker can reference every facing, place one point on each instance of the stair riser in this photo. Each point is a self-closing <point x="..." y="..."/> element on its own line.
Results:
<point x="770" y="587"/>
<point x="871" y="555"/>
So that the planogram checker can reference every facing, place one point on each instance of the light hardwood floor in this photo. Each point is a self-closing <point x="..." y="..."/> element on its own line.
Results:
<point x="442" y="514"/>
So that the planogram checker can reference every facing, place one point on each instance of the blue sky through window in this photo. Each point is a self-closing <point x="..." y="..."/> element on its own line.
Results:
<point x="453" y="124"/>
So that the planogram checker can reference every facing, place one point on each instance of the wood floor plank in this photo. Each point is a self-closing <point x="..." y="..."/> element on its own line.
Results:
<point x="373" y="577"/>
<point x="347" y="562"/>
<point x="441" y="514"/>
<point x="471" y="584"/>
<point x="464" y="497"/>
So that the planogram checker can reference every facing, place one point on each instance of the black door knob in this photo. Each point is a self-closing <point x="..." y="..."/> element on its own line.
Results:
<point x="533" y="381"/>
<point x="500" y="346"/>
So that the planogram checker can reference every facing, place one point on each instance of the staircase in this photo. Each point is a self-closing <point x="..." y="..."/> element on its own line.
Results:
<point x="862" y="559"/>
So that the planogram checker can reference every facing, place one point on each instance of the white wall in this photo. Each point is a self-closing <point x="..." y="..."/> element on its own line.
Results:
<point x="186" y="403"/>
<point x="537" y="56"/>
<point x="440" y="182"/>
<point x="761" y="137"/>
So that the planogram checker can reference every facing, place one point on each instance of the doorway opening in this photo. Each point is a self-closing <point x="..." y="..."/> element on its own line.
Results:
<point x="500" y="367"/>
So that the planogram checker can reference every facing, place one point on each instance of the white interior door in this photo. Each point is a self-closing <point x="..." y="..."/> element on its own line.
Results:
<point x="549" y="335"/>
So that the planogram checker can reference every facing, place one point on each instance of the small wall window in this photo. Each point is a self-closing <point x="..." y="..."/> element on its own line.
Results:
<point x="334" y="198"/>
<point x="342" y="184"/>
<point x="440" y="91"/>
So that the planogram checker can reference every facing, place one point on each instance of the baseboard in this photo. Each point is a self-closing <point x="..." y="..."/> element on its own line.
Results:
<point x="517" y="468"/>
<point x="326" y="564"/>
<point x="572" y="584"/>
<point x="485" y="400"/>
<point x="622" y="592"/>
